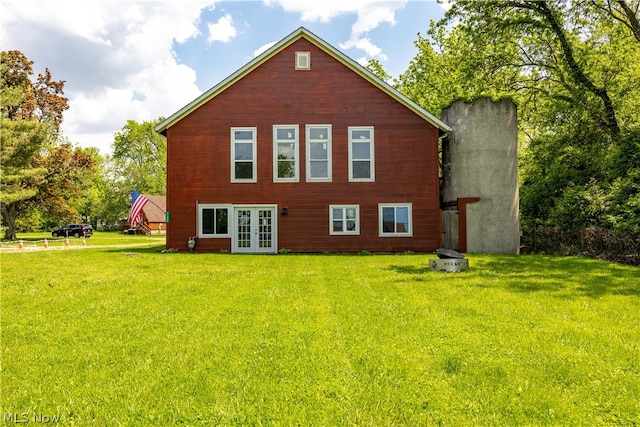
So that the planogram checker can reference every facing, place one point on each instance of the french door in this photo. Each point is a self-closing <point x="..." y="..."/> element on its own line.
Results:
<point x="254" y="229"/>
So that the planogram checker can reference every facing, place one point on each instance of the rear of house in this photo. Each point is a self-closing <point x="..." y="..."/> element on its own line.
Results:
<point x="303" y="149"/>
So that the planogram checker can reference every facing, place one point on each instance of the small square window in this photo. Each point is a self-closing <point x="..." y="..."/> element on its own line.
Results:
<point x="303" y="60"/>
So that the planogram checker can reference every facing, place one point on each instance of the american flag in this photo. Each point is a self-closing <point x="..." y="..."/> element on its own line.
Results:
<point x="137" y="203"/>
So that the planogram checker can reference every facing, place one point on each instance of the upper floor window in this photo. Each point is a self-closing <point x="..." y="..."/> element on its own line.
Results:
<point x="243" y="154"/>
<point x="395" y="220"/>
<point x="318" y="152"/>
<point x="361" y="154"/>
<point x="286" y="153"/>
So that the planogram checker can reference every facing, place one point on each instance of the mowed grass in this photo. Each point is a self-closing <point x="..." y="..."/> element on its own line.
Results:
<point x="35" y="241"/>
<point x="108" y="336"/>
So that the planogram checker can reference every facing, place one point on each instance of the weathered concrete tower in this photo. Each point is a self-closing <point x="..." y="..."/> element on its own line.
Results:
<point x="480" y="177"/>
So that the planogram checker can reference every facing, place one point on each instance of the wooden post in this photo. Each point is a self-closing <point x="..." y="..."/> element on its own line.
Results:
<point x="462" y="220"/>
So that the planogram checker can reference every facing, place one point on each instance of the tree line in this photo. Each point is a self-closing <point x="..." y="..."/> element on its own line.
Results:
<point x="46" y="180"/>
<point x="572" y="67"/>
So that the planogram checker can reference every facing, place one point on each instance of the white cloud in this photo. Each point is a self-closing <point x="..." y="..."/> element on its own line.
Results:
<point x="365" y="44"/>
<point x="445" y="4"/>
<point x="362" y="61"/>
<point x="371" y="14"/>
<point x="223" y="30"/>
<point x="263" y="48"/>
<point x="116" y="57"/>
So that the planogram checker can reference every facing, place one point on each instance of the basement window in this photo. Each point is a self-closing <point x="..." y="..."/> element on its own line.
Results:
<point x="303" y="60"/>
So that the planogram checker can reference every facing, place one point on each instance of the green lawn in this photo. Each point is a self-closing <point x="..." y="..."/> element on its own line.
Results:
<point x="128" y="336"/>
<point x="32" y="241"/>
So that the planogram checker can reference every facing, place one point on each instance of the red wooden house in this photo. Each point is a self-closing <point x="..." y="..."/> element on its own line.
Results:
<point x="303" y="149"/>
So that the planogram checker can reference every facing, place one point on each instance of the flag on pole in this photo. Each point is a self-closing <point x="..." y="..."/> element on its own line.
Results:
<point x="137" y="203"/>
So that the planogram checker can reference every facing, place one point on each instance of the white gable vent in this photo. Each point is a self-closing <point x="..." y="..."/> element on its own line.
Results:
<point x="303" y="60"/>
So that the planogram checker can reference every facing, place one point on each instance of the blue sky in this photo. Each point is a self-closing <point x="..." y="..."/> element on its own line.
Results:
<point x="141" y="60"/>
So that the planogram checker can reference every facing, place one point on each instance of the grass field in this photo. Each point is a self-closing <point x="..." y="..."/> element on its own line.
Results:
<point x="113" y="335"/>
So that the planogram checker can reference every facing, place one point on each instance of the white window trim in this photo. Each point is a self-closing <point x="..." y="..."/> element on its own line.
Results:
<point x="308" y="152"/>
<point x="373" y="166"/>
<point x="201" y="208"/>
<point x="255" y="155"/>
<point x="307" y="60"/>
<point x="296" y="142"/>
<point x="409" y="232"/>
<point x="356" y="232"/>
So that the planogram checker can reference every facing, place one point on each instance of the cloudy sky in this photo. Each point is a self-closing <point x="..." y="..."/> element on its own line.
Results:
<point x="141" y="60"/>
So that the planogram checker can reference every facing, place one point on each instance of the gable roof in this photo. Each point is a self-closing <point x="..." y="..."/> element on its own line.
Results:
<point x="155" y="208"/>
<point x="275" y="49"/>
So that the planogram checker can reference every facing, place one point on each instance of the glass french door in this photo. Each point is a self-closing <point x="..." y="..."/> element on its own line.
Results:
<point x="254" y="230"/>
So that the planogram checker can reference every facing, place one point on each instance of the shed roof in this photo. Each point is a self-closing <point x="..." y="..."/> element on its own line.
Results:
<point x="275" y="49"/>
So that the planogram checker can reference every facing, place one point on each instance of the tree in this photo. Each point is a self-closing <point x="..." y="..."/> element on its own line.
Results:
<point x="38" y="171"/>
<point x="556" y="44"/>
<point x="21" y="142"/>
<point x="40" y="101"/>
<point x="378" y="70"/>
<point x="625" y="12"/>
<point x="140" y="157"/>
<point x="106" y="196"/>
<point x="450" y="65"/>
<point x="61" y="190"/>
<point x="572" y="68"/>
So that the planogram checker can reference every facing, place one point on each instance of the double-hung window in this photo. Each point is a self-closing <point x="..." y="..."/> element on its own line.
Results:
<point x="395" y="220"/>
<point x="213" y="221"/>
<point x="318" y="153"/>
<point x="361" y="154"/>
<point x="286" y="153"/>
<point x="243" y="154"/>
<point x="344" y="219"/>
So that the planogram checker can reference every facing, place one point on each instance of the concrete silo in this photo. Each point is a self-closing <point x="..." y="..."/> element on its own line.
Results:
<point x="480" y="177"/>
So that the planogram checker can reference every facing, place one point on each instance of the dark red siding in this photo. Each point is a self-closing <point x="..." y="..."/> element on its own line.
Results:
<point x="406" y="157"/>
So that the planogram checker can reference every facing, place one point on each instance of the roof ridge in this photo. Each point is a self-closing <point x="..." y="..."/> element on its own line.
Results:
<point x="275" y="49"/>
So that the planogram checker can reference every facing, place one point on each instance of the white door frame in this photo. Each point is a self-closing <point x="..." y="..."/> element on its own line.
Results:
<point x="250" y="239"/>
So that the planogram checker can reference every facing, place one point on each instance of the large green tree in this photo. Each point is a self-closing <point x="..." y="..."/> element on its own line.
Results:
<point x="551" y="56"/>
<point x="106" y="198"/>
<point x="140" y="157"/>
<point x="21" y="141"/>
<point x="573" y="68"/>
<point x="62" y="189"/>
<point x="39" y="169"/>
